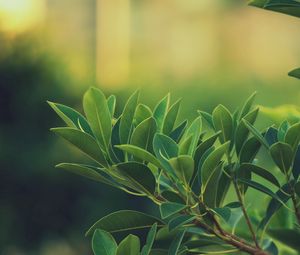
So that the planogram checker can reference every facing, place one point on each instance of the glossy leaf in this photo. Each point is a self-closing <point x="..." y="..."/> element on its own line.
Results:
<point x="174" y="247"/>
<point x="150" y="240"/>
<point x="282" y="155"/>
<point x="171" y="117"/>
<point x="140" y="175"/>
<point x="129" y="246"/>
<point x="289" y="237"/>
<point x="180" y="221"/>
<point x="211" y="163"/>
<point x="103" y="243"/>
<point x="295" y="73"/>
<point x="178" y="132"/>
<point x="98" y="116"/>
<point x="127" y="118"/>
<point x="184" y="167"/>
<point x="208" y="117"/>
<point x="115" y="140"/>
<point x="223" y="213"/>
<point x="142" y="112"/>
<point x="283" y="128"/>
<point x="223" y="122"/>
<point x="83" y="142"/>
<point x="292" y="136"/>
<point x="249" y="150"/>
<point x="168" y="209"/>
<point x="160" y="111"/>
<point x="143" y="134"/>
<point x="256" y="133"/>
<point x="247" y="106"/>
<point x="71" y="117"/>
<point x="271" y="136"/>
<point x="115" y="222"/>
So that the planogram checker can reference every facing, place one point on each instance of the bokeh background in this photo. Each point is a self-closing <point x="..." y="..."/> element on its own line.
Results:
<point x="207" y="52"/>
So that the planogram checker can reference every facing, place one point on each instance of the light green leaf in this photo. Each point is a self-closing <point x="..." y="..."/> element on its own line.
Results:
<point x="140" y="176"/>
<point x="111" y="103"/>
<point x="247" y="106"/>
<point x="211" y="163"/>
<point x="115" y="222"/>
<point x="180" y="221"/>
<point x="282" y="155"/>
<point x="71" y="117"/>
<point x="129" y="246"/>
<point x="160" y="111"/>
<point x="194" y="130"/>
<point x="168" y="209"/>
<point x="223" y="122"/>
<point x="175" y="245"/>
<point x="171" y="117"/>
<point x="242" y="131"/>
<point x="139" y="153"/>
<point x="185" y="145"/>
<point x="284" y="126"/>
<point x="83" y="142"/>
<point x="142" y="112"/>
<point x="292" y="136"/>
<point x="256" y="134"/>
<point x="150" y="240"/>
<point x="103" y="243"/>
<point x="98" y="115"/>
<point x="246" y="167"/>
<point x="183" y="166"/>
<point x="142" y="135"/>
<point x="208" y="117"/>
<point x="127" y="118"/>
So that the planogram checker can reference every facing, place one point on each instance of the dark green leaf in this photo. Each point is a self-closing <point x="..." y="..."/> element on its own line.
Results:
<point x="180" y="221"/>
<point x="222" y="189"/>
<point x="284" y="126"/>
<point x="223" y="213"/>
<point x="129" y="246"/>
<point x="177" y="133"/>
<point x="282" y="155"/>
<point x="71" y="117"/>
<point x="208" y="117"/>
<point x="271" y="136"/>
<point x="174" y="247"/>
<point x="98" y="115"/>
<point x="140" y="175"/>
<point x="256" y="133"/>
<point x="223" y="122"/>
<point x="183" y="166"/>
<point x="172" y="196"/>
<point x="115" y="222"/>
<point x="127" y="118"/>
<point x="168" y="209"/>
<point x="159" y="252"/>
<point x="289" y="237"/>
<point x="289" y="7"/>
<point x="296" y="164"/>
<point x="160" y="111"/>
<point x="249" y="150"/>
<point x="84" y="142"/>
<point x="171" y="117"/>
<point x="297" y="189"/>
<point x="150" y="240"/>
<point x="103" y="243"/>
<point x="211" y="163"/>
<point x="247" y="106"/>
<point x="292" y="136"/>
<point x="295" y="73"/>
<point x="260" y="172"/>
<point x="115" y="140"/>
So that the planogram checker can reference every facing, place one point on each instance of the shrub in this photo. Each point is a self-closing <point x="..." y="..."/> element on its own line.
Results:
<point x="191" y="173"/>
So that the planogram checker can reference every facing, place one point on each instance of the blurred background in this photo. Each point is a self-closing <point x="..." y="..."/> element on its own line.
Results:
<point x="208" y="52"/>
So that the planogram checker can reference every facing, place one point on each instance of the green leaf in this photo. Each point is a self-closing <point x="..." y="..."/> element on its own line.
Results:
<point x="172" y="196"/>
<point x="160" y="111"/>
<point x="249" y="150"/>
<point x="271" y="136"/>
<point x="283" y="128"/>
<point x="178" y="132"/>
<point x="115" y="140"/>
<point x="83" y="142"/>
<point x="222" y="120"/>
<point x="86" y="171"/>
<point x="194" y="130"/>
<point x="296" y="164"/>
<point x="292" y="136"/>
<point x="289" y="237"/>
<point x="171" y="117"/>
<point x="208" y="117"/>
<point x="150" y="240"/>
<point x="185" y="145"/>
<point x="295" y="73"/>
<point x="282" y="155"/>
<point x="139" y="153"/>
<point x="103" y="243"/>
<point x="140" y="175"/>
<point x="165" y="148"/>
<point x="142" y="112"/>
<point x="159" y="252"/>
<point x="258" y="3"/>
<point x="129" y="246"/>
<point x="143" y="134"/>
<point x="247" y="106"/>
<point x="111" y="103"/>
<point x="242" y="131"/>
<point x="71" y="117"/>
<point x="98" y="115"/>
<point x="222" y="189"/>
<point x="211" y="163"/>
<point x="124" y="221"/>
<point x="180" y="221"/>
<point x="174" y="247"/>
<point x="260" y="188"/>
<point x="247" y="167"/>
<point x="216" y="249"/>
<point x="127" y="118"/>
<point x="223" y="213"/>
<point x="297" y="188"/>
<point x="256" y="133"/>
<point x="168" y="209"/>
<point x="289" y="7"/>
<point x="184" y="167"/>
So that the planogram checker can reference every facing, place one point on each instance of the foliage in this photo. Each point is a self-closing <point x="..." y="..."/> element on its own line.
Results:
<point x="188" y="171"/>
